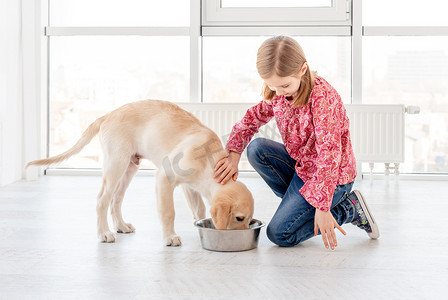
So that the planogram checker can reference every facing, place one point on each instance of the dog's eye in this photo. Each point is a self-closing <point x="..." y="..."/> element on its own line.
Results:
<point x="240" y="219"/>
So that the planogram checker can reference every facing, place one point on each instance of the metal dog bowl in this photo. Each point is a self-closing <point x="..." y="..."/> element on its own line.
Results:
<point x="228" y="240"/>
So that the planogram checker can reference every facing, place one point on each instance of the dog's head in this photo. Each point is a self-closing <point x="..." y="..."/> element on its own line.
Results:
<point x="232" y="207"/>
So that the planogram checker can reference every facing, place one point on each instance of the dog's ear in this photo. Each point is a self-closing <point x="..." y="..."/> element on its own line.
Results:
<point x="221" y="214"/>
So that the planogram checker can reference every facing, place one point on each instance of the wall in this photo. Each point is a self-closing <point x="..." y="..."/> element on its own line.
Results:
<point x="11" y="92"/>
<point x="20" y="92"/>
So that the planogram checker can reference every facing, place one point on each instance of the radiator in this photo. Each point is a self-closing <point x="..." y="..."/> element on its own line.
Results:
<point x="377" y="131"/>
<point x="221" y="117"/>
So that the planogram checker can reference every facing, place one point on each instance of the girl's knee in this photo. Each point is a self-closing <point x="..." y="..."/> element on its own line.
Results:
<point x="254" y="150"/>
<point x="278" y="236"/>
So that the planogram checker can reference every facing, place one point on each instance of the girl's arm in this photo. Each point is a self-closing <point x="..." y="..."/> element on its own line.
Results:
<point x="328" y="118"/>
<point x="243" y="131"/>
<point x="240" y="136"/>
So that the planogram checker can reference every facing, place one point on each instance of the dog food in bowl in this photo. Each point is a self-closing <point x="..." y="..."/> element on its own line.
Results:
<point x="228" y="240"/>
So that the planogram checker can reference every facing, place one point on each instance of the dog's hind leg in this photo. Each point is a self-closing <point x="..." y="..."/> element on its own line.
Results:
<point x="165" y="206"/>
<point x="195" y="202"/>
<point x="113" y="170"/>
<point x="119" y="224"/>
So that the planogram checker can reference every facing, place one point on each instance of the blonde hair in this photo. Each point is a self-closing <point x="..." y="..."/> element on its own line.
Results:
<point x="283" y="56"/>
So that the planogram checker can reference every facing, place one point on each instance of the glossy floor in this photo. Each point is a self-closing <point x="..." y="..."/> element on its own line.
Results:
<point x="48" y="248"/>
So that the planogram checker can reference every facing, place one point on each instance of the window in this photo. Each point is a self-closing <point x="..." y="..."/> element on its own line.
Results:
<point x="405" y="61"/>
<point x="276" y="3"/>
<point x="119" y="13"/>
<point x="230" y="75"/>
<point x="90" y="76"/>
<point x="101" y="59"/>
<point x="269" y="12"/>
<point x="412" y="71"/>
<point x="405" y="13"/>
<point x="205" y="51"/>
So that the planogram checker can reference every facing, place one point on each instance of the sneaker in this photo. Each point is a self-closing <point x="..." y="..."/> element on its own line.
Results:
<point x="363" y="217"/>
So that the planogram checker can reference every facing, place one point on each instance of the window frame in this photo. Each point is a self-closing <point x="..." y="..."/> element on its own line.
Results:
<point x="215" y="15"/>
<point x="204" y="21"/>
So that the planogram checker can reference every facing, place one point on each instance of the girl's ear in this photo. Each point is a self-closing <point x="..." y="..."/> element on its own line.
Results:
<point x="303" y="69"/>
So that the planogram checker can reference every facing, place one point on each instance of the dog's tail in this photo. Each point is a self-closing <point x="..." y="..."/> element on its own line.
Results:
<point x="85" y="139"/>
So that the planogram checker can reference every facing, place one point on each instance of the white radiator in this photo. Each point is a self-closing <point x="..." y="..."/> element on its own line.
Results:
<point x="377" y="131"/>
<point x="220" y="117"/>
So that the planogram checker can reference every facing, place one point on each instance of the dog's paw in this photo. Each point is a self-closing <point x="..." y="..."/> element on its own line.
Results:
<point x="107" y="237"/>
<point x="125" y="228"/>
<point x="173" y="240"/>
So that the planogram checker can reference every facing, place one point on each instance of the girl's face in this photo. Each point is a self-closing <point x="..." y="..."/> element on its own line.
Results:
<point x="285" y="86"/>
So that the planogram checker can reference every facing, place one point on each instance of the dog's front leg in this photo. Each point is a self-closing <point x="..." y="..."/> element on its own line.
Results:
<point x="195" y="202"/>
<point x="165" y="205"/>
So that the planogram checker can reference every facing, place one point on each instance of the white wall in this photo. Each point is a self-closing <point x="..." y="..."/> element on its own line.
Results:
<point x="11" y="92"/>
<point x="20" y="99"/>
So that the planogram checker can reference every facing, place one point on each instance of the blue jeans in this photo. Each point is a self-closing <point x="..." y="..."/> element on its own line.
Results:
<point x="293" y="222"/>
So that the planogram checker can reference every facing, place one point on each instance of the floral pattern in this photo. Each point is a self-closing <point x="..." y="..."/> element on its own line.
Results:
<point x="316" y="135"/>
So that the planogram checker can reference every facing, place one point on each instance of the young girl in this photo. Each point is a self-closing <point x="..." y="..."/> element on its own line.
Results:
<point x="314" y="169"/>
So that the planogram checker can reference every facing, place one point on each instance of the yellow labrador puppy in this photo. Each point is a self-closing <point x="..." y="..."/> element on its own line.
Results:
<point x="185" y="152"/>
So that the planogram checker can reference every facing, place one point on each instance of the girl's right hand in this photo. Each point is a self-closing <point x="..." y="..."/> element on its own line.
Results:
<point x="227" y="168"/>
<point x="325" y="223"/>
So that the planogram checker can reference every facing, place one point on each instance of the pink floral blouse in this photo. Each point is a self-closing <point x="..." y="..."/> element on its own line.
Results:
<point x="315" y="135"/>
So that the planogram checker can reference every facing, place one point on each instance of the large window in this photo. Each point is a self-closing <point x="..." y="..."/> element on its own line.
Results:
<point x="102" y="58"/>
<point x="390" y="52"/>
<point x="405" y="61"/>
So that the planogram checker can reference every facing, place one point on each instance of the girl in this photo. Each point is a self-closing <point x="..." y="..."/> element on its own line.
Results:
<point x="313" y="171"/>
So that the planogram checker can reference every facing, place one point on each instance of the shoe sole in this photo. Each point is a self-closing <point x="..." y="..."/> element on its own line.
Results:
<point x="375" y="231"/>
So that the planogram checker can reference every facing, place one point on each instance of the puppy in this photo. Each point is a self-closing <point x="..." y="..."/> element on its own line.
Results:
<point x="185" y="152"/>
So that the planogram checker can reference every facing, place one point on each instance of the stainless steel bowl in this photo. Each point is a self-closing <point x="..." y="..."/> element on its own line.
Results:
<point x="228" y="240"/>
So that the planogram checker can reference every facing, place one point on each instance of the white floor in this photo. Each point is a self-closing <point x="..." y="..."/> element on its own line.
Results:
<point x="48" y="248"/>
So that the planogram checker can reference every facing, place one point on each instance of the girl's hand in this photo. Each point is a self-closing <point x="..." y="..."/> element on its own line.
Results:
<point x="227" y="168"/>
<point x="325" y="222"/>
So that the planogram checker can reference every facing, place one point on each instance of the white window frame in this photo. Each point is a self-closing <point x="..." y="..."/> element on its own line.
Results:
<point x="215" y="15"/>
<point x="210" y="23"/>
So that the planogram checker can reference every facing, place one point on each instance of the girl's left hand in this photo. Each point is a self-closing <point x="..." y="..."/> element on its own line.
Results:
<point x="325" y="222"/>
<point x="227" y="168"/>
